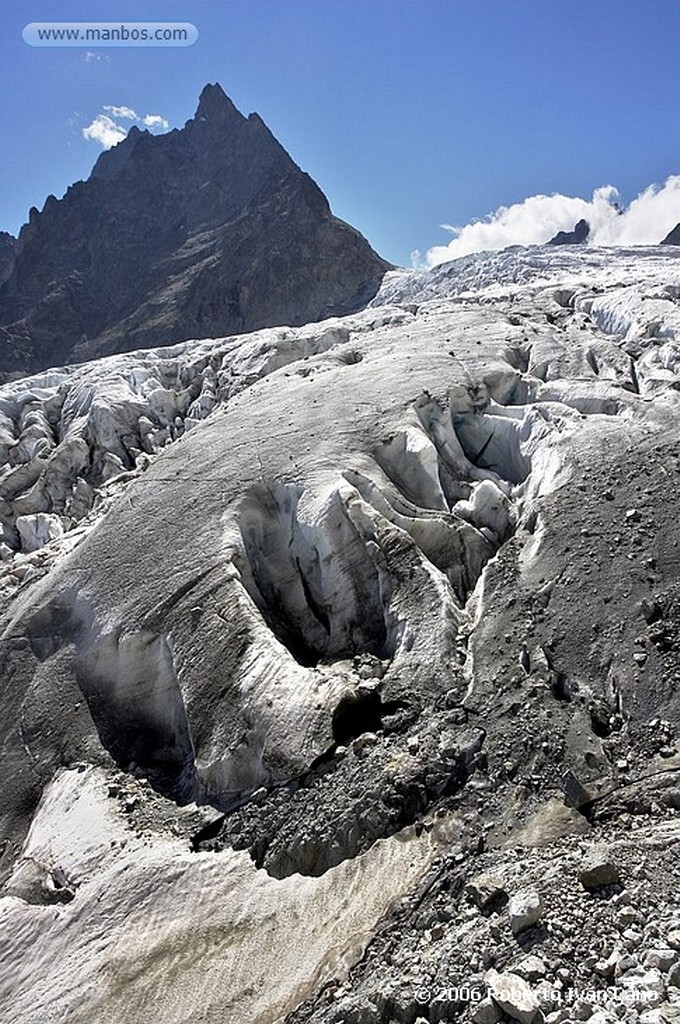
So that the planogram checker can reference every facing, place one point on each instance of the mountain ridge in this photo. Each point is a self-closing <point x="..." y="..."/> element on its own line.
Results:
<point x="111" y="266"/>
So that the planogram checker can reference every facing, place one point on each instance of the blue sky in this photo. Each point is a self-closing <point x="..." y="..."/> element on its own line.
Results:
<point x="408" y="113"/>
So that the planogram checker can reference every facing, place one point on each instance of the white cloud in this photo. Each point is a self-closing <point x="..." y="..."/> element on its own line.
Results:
<point x="535" y="220"/>
<point x="647" y="220"/>
<point x="155" y="121"/>
<point x="127" y="113"/>
<point x="104" y="131"/>
<point x="108" y="132"/>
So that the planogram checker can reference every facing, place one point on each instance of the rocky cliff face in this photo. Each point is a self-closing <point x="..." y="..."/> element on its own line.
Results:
<point x="205" y="231"/>
<point x="7" y="254"/>
<point x="357" y="637"/>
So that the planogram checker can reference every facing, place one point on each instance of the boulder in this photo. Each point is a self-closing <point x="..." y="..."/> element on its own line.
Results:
<point x="513" y="995"/>
<point x="524" y="910"/>
<point x="597" y="869"/>
<point x="486" y="890"/>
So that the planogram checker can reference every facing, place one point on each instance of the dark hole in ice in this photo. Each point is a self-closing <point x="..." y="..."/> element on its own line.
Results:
<point x="297" y="590"/>
<point x="315" y="608"/>
<point x="133" y="696"/>
<point x="560" y="686"/>
<point x="350" y="358"/>
<point x="600" y="719"/>
<point x="592" y="362"/>
<point x="302" y="652"/>
<point x="357" y="714"/>
<point x="208" y="832"/>
<point x="518" y="358"/>
<point x="492" y="442"/>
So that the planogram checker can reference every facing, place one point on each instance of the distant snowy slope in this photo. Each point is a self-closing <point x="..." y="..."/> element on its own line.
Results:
<point x="632" y="294"/>
<point x="521" y="269"/>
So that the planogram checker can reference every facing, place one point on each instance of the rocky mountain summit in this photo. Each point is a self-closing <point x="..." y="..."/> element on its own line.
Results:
<point x="576" y="237"/>
<point x="202" y="232"/>
<point x="340" y="662"/>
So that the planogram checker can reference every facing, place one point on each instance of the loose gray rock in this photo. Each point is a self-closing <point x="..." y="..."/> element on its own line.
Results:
<point x="598" y="869"/>
<point x="486" y="1012"/>
<point x="531" y="968"/>
<point x="524" y="910"/>
<point x="643" y="987"/>
<point x="513" y="995"/>
<point x="486" y="890"/>
<point x="662" y="959"/>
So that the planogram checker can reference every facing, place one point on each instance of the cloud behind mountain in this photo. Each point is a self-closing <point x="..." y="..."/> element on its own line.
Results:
<point x="645" y="221"/>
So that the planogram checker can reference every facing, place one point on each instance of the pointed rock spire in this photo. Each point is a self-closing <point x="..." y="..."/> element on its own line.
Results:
<point x="214" y="105"/>
<point x="186" y="223"/>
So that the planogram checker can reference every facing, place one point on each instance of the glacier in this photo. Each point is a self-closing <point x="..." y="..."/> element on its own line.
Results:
<point x="298" y="591"/>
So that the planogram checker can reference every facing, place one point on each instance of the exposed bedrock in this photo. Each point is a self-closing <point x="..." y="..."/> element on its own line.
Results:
<point x="578" y="236"/>
<point x="673" y="236"/>
<point x="207" y="230"/>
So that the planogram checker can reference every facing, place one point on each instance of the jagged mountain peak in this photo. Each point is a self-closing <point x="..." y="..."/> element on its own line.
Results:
<point x="576" y="237"/>
<point x="208" y="230"/>
<point x="112" y="161"/>
<point x="214" y="105"/>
